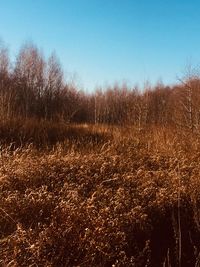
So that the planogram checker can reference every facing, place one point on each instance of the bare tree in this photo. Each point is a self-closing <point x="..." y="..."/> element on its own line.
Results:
<point x="29" y="80"/>
<point x="53" y="88"/>
<point x="6" y="93"/>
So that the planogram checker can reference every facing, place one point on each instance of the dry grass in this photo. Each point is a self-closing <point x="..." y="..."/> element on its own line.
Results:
<point x="121" y="202"/>
<point x="46" y="134"/>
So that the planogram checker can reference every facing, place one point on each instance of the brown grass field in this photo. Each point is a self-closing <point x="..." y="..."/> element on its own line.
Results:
<point x="98" y="196"/>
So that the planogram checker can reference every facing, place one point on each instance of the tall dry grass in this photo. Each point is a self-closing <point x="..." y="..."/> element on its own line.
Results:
<point x="101" y="197"/>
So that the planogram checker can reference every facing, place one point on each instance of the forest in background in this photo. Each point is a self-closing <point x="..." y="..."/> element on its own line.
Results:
<point x="35" y="88"/>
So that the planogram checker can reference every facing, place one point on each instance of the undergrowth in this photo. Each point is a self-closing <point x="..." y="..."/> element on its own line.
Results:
<point x="129" y="198"/>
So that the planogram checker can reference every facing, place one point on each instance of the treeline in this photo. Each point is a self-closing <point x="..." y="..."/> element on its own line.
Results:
<point x="34" y="87"/>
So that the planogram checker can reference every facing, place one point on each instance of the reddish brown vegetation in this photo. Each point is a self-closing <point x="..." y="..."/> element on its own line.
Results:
<point x="115" y="203"/>
<point x="103" y="179"/>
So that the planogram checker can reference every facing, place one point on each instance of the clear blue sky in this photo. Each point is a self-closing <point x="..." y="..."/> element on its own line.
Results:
<point x="104" y="41"/>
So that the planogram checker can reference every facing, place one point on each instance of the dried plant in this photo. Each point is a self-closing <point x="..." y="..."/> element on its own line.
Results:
<point x="124" y="199"/>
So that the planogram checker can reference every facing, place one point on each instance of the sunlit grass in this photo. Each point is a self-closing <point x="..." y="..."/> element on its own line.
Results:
<point x="103" y="196"/>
